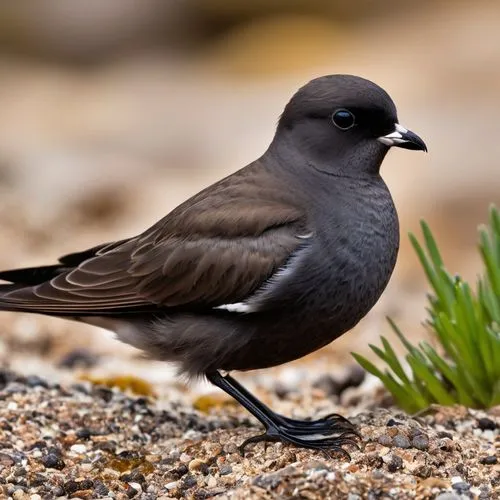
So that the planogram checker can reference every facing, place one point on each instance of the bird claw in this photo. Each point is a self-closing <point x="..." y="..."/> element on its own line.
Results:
<point x="297" y="432"/>
<point x="328" y="434"/>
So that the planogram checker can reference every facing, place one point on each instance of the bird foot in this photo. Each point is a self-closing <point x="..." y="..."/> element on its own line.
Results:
<point x="329" y="434"/>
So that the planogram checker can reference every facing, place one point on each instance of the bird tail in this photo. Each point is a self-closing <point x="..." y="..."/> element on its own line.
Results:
<point x="5" y="304"/>
<point x="23" y="278"/>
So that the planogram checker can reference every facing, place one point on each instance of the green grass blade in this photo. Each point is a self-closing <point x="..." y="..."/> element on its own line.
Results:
<point x="465" y="367"/>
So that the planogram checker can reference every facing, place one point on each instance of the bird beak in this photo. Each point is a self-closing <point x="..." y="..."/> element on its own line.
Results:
<point x="403" y="138"/>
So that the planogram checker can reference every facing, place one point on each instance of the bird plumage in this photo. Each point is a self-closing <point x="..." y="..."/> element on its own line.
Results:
<point x="262" y="267"/>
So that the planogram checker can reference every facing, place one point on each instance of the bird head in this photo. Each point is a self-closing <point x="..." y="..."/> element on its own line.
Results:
<point x="345" y="123"/>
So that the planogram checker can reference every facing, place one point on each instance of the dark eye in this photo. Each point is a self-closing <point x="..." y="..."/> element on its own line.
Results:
<point x="343" y="119"/>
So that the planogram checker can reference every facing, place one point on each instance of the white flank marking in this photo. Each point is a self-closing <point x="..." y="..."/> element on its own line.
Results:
<point x="239" y="307"/>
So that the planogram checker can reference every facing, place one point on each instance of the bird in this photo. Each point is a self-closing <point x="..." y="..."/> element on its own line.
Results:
<point x="265" y="266"/>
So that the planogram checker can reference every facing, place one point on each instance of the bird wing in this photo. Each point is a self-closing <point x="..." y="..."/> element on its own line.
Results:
<point x="217" y="248"/>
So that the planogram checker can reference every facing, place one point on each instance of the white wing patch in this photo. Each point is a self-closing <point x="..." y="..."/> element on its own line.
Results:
<point x="239" y="307"/>
<point x="254" y="301"/>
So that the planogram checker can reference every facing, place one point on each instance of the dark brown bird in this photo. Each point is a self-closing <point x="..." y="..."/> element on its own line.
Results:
<point x="263" y="267"/>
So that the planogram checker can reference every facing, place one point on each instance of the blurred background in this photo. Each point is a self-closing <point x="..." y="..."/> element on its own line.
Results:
<point x="112" y="113"/>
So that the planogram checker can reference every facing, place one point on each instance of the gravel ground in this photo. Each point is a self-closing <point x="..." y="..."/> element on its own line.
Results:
<point x="91" y="441"/>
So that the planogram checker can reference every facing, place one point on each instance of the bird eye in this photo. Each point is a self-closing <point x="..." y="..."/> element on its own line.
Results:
<point x="343" y="119"/>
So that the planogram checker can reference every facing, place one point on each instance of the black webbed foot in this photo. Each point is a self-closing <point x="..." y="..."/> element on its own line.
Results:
<point x="329" y="434"/>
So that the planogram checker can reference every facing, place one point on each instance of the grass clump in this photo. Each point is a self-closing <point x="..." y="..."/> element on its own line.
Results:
<point x="464" y="368"/>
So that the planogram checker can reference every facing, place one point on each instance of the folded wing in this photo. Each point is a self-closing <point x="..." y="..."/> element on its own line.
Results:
<point x="217" y="248"/>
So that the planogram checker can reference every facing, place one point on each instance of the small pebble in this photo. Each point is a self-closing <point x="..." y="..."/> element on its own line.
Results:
<point x="71" y="486"/>
<point x="446" y="444"/>
<point x="78" y="448"/>
<point x="391" y="422"/>
<point x="6" y="460"/>
<point x="179" y="471"/>
<point x="86" y="467"/>
<point x="385" y="440"/>
<point x="395" y="463"/>
<point x="136" y="487"/>
<point x="486" y="424"/>
<point x="36" y="381"/>
<point x="444" y="434"/>
<point x="448" y="496"/>
<point x="490" y="460"/>
<point x="326" y="383"/>
<point x="83" y="433"/>
<point x="172" y="485"/>
<point x="78" y="358"/>
<point x="420" y="442"/>
<point x="401" y="441"/>
<point x="461" y="487"/>
<point x="188" y="481"/>
<point x="53" y="461"/>
<point x="15" y="388"/>
<point x="196" y="464"/>
<point x="225" y="470"/>
<point x="131" y="491"/>
<point x="100" y="488"/>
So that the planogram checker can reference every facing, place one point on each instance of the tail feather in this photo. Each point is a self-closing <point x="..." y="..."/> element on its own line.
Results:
<point x="31" y="276"/>
<point x="24" y="278"/>
<point x="26" y="290"/>
<point x="5" y="304"/>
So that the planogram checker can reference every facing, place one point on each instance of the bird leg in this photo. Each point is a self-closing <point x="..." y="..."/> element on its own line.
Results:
<point x="329" y="433"/>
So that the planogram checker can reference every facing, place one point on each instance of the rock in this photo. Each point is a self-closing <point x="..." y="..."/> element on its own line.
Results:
<point x="401" y="441"/>
<point x="395" y="463"/>
<point x="448" y="496"/>
<point x="486" y="424"/>
<point x="391" y="422"/>
<point x="6" y="460"/>
<point x="385" y="440"/>
<point x="188" y="481"/>
<point x="19" y="494"/>
<point x="444" y="434"/>
<point x="224" y="470"/>
<point x="461" y="487"/>
<point x="100" y="488"/>
<point x="78" y="448"/>
<point x="78" y="358"/>
<point x="83" y="433"/>
<point x="133" y="489"/>
<point x="421" y="442"/>
<point x="353" y="496"/>
<point x="53" y="461"/>
<point x="71" y="486"/>
<point x="335" y="385"/>
<point x="197" y="465"/>
<point x="36" y="381"/>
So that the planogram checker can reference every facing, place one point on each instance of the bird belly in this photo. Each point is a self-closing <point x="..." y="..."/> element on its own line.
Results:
<point x="324" y="294"/>
<point x="325" y="297"/>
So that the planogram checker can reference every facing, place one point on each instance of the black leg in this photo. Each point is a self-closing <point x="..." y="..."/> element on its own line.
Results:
<point x="330" y="433"/>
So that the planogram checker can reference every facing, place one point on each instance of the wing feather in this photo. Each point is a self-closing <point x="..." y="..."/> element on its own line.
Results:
<point x="215" y="249"/>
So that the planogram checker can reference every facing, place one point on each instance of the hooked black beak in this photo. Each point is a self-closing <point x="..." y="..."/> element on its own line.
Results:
<point x="403" y="138"/>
